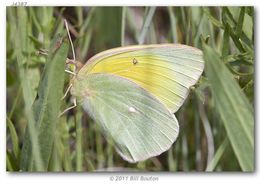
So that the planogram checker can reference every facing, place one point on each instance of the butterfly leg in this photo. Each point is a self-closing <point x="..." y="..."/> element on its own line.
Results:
<point x="67" y="91"/>
<point x="67" y="109"/>
<point x="70" y="72"/>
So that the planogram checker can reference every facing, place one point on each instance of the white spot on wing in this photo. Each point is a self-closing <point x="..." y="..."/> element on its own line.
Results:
<point x="132" y="110"/>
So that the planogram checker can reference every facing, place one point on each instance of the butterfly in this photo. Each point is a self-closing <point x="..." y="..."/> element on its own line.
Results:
<point x="133" y="92"/>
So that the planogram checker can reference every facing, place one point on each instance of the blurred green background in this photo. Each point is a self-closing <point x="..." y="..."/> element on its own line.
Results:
<point x="216" y="121"/>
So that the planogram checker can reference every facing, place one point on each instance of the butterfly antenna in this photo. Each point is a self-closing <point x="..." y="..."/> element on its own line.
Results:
<point x="73" y="62"/>
<point x="72" y="47"/>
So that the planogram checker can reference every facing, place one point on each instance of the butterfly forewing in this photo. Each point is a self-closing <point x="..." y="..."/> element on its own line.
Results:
<point x="167" y="71"/>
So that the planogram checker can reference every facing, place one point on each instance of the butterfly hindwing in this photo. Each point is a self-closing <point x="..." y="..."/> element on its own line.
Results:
<point x="139" y="124"/>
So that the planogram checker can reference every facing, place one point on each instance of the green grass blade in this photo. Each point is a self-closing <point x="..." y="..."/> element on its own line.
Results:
<point x="211" y="166"/>
<point x="107" y="26"/>
<point x="14" y="138"/>
<point x="225" y="45"/>
<point x="146" y="25"/>
<point x="14" y="106"/>
<point x="208" y="133"/>
<point x="198" y="136"/>
<point x="240" y="22"/>
<point x="214" y="21"/>
<point x="233" y="107"/>
<point x="171" y="161"/>
<point x="79" y="13"/>
<point x="228" y="19"/>
<point x="109" y="151"/>
<point x="55" y="160"/>
<point x="123" y="26"/>
<point x="79" y="151"/>
<point x="46" y="108"/>
<point x="99" y="148"/>
<point x="132" y="24"/>
<point x="21" y="45"/>
<point x="236" y="40"/>
<point x="11" y="162"/>
<point x="85" y="35"/>
<point x="64" y="137"/>
<point x="87" y="22"/>
<point x="173" y="25"/>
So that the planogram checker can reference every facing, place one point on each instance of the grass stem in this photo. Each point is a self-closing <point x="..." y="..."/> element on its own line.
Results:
<point x="147" y="22"/>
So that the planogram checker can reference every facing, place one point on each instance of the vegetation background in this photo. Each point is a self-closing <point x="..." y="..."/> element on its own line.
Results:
<point x="216" y="121"/>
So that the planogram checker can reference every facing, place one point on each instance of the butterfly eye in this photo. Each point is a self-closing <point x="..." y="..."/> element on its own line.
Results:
<point x="135" y="61"/>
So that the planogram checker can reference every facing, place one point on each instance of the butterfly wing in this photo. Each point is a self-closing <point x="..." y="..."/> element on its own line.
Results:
<point x="165" y="70"/>
<point x="139" y="124"/>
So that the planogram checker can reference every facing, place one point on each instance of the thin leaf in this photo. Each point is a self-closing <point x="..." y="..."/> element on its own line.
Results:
<point x="14" y="138"/>
<point x="146" y="24"/>
<point x="109" y="151"/>
<point x="171" y="161"/>
<point x="228" y="19"/>
<point x="208" y="133"/>
<point x="17" y="98"/>
<point x="240" y="22"/>
<point x="211" y="166"/>
<point x="103" y="24"/>
<point x="123" y="26"/>
<point x="236" y="40"/>
<point x="46" y="108"/>
<point x="64" y="137"/>
<point x="11" y="162"/>
<point x="233" y="107"/>
<point x="225" y="45"/>
<point x="21" y="44"/>
<point x="79" y="151"/>
<point x="173" y="25"/>
<point x="85" y="35"/>
<point x="99" y="147"/>
<point x="212" y="19"/>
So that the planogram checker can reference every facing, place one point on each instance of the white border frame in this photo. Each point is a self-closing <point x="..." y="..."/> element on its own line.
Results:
<point x="82" y="179"/>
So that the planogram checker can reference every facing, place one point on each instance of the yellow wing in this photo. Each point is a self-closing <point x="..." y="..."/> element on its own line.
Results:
<point x="165" y="70"/>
